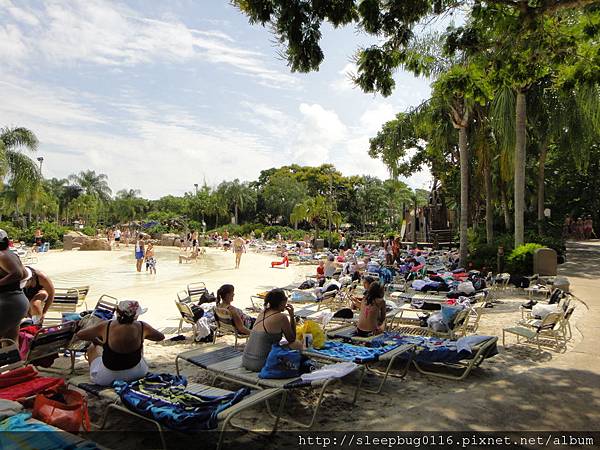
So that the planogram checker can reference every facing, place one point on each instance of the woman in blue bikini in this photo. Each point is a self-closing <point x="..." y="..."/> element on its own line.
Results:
<point x="139" y="252"/>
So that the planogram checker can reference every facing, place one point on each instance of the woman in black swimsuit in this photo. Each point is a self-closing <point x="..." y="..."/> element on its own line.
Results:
<point x="119" y="352"/>
<point x="39" y="290"/>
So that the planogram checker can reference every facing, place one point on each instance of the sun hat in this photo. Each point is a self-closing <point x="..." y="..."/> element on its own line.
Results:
<point x="130" y="308"/>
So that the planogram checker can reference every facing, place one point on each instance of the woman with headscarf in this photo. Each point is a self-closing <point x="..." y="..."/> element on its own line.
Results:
<point x="13" y="303"/>
<point x="117" y="346"/>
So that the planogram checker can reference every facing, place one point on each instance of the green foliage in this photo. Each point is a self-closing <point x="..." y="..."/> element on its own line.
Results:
<point x="520" y="260"/>
<point x="89" y="231"/>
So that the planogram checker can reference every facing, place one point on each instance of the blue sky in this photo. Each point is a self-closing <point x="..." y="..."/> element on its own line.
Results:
<point x="161" y="95"/>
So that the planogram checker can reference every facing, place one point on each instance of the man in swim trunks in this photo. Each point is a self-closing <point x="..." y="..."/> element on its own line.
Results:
<point x="239" y="247"/>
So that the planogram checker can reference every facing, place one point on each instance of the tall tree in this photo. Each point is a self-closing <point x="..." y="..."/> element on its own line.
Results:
<point x="93" y="184"/>
<point x="18" y="169"/>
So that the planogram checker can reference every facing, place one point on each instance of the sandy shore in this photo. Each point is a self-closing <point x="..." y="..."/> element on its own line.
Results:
<point x="509" y="392"/>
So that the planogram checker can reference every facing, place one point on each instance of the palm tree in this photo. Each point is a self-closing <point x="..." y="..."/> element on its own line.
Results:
<point x="315" y="210"/>
<point x="238" y="195"/>
<point x="21" y="172"/>
<point x="128" y="194"/>
<point x="92" y="184"/>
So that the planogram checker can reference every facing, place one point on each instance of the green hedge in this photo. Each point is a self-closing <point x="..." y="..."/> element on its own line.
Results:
<point x="520" y="261"/>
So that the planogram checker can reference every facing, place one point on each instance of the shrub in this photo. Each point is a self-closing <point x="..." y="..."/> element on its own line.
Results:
<point x="89" y="231"/>
<point x="520" y="261"/>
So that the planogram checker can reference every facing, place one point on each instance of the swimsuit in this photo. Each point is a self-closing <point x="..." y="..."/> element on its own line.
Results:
<point x="259" y="346"/>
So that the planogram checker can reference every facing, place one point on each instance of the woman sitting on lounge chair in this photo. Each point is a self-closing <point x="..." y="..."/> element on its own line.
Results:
<point x="242" y="322"/>
<point x="116" y="352"/>
<point x="270" y="326"/>
<point x="372" y="310"/>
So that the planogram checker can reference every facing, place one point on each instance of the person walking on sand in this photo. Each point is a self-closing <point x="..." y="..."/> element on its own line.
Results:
<point x="117" y="235"/>
<point x="239" y="247"/>
<point x="150" y="259"/>
<point x="126" y="235"/>
<point x="194" y="239"/>
<point x="139" y="252"/>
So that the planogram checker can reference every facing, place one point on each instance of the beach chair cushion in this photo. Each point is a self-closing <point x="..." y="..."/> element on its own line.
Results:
<point x="164" y="398"/>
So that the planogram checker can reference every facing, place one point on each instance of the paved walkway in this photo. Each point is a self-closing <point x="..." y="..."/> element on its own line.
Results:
<point x="557" y="392"/>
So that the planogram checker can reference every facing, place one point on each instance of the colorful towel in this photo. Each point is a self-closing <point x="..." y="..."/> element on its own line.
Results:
<point x="431" y="349"/>
<point x="355" y="353"/>
<point x="162" y="397"/>
<point x="13" y="438"/>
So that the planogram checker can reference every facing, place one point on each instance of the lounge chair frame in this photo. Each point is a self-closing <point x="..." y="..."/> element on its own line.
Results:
<point x="225" y="417"/>
<point x="225" y="371"/>
<point x="551" y="326"/>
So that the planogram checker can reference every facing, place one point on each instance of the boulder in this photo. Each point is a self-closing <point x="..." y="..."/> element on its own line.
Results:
<point x="170" y="240"/>
<point x="95" y="244"/>
<point x="74" y="239"/>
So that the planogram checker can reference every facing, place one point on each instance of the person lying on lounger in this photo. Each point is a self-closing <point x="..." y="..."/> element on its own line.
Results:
<point x="117" y="349"/>
<point x="270" y="326"/>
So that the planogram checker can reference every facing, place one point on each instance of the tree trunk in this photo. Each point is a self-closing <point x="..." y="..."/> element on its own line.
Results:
<point x="520" y="158"/>
<point x="489" y="211"/>
<point x="505" y="211"/>
<point x="464" y="194"/>
<point x="414" y="229"/>
<point x="235" y="207"/>
<point x="540" y="190"/>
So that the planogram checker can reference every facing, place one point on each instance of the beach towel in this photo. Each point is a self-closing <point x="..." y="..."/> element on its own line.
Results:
<point x="162" y="397"/>
<point x="435" y="350"/>
<point x="12" y="436"/>
<point x="355" y="353"/>
<point x="338" y="370"/>
<point x="25" y="382"/>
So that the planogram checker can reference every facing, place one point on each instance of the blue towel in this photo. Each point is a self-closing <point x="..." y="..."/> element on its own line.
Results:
<point x="355" y="353"/>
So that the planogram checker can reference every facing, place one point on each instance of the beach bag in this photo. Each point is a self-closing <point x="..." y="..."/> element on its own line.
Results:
<point x="281" y="363"/>
<point x="65" y="409"/>
<point x="313" y="328"/>
<point x="207" y="298"/>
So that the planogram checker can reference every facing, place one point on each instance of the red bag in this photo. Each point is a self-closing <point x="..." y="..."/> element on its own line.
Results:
<point x="65" y="409"/>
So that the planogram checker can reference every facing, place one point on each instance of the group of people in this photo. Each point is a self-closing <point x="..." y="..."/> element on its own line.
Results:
<point x="145" y="253"/>
<point x="24" y="292"/>
<point x="580" y="228"/>
<point x="117" y="236"/>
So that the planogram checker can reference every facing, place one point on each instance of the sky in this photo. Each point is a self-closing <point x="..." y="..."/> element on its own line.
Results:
<point x="161" y="95"/>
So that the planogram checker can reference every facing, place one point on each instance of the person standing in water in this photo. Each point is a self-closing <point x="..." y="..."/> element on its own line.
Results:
<point x="150" y="259"/>
<point x="139" y="252"/>
<point x="239" y="247"/>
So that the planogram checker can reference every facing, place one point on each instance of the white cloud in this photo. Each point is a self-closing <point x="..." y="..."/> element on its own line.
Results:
<point x="22" y="14"/>
<point x="375" y="116"/>
<point x="159" y="148"/>
<point x="109" y="34"/>
<point x="319" y="131"/>
<point x="12" y="46"/>
<point x="344" y="81"/>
